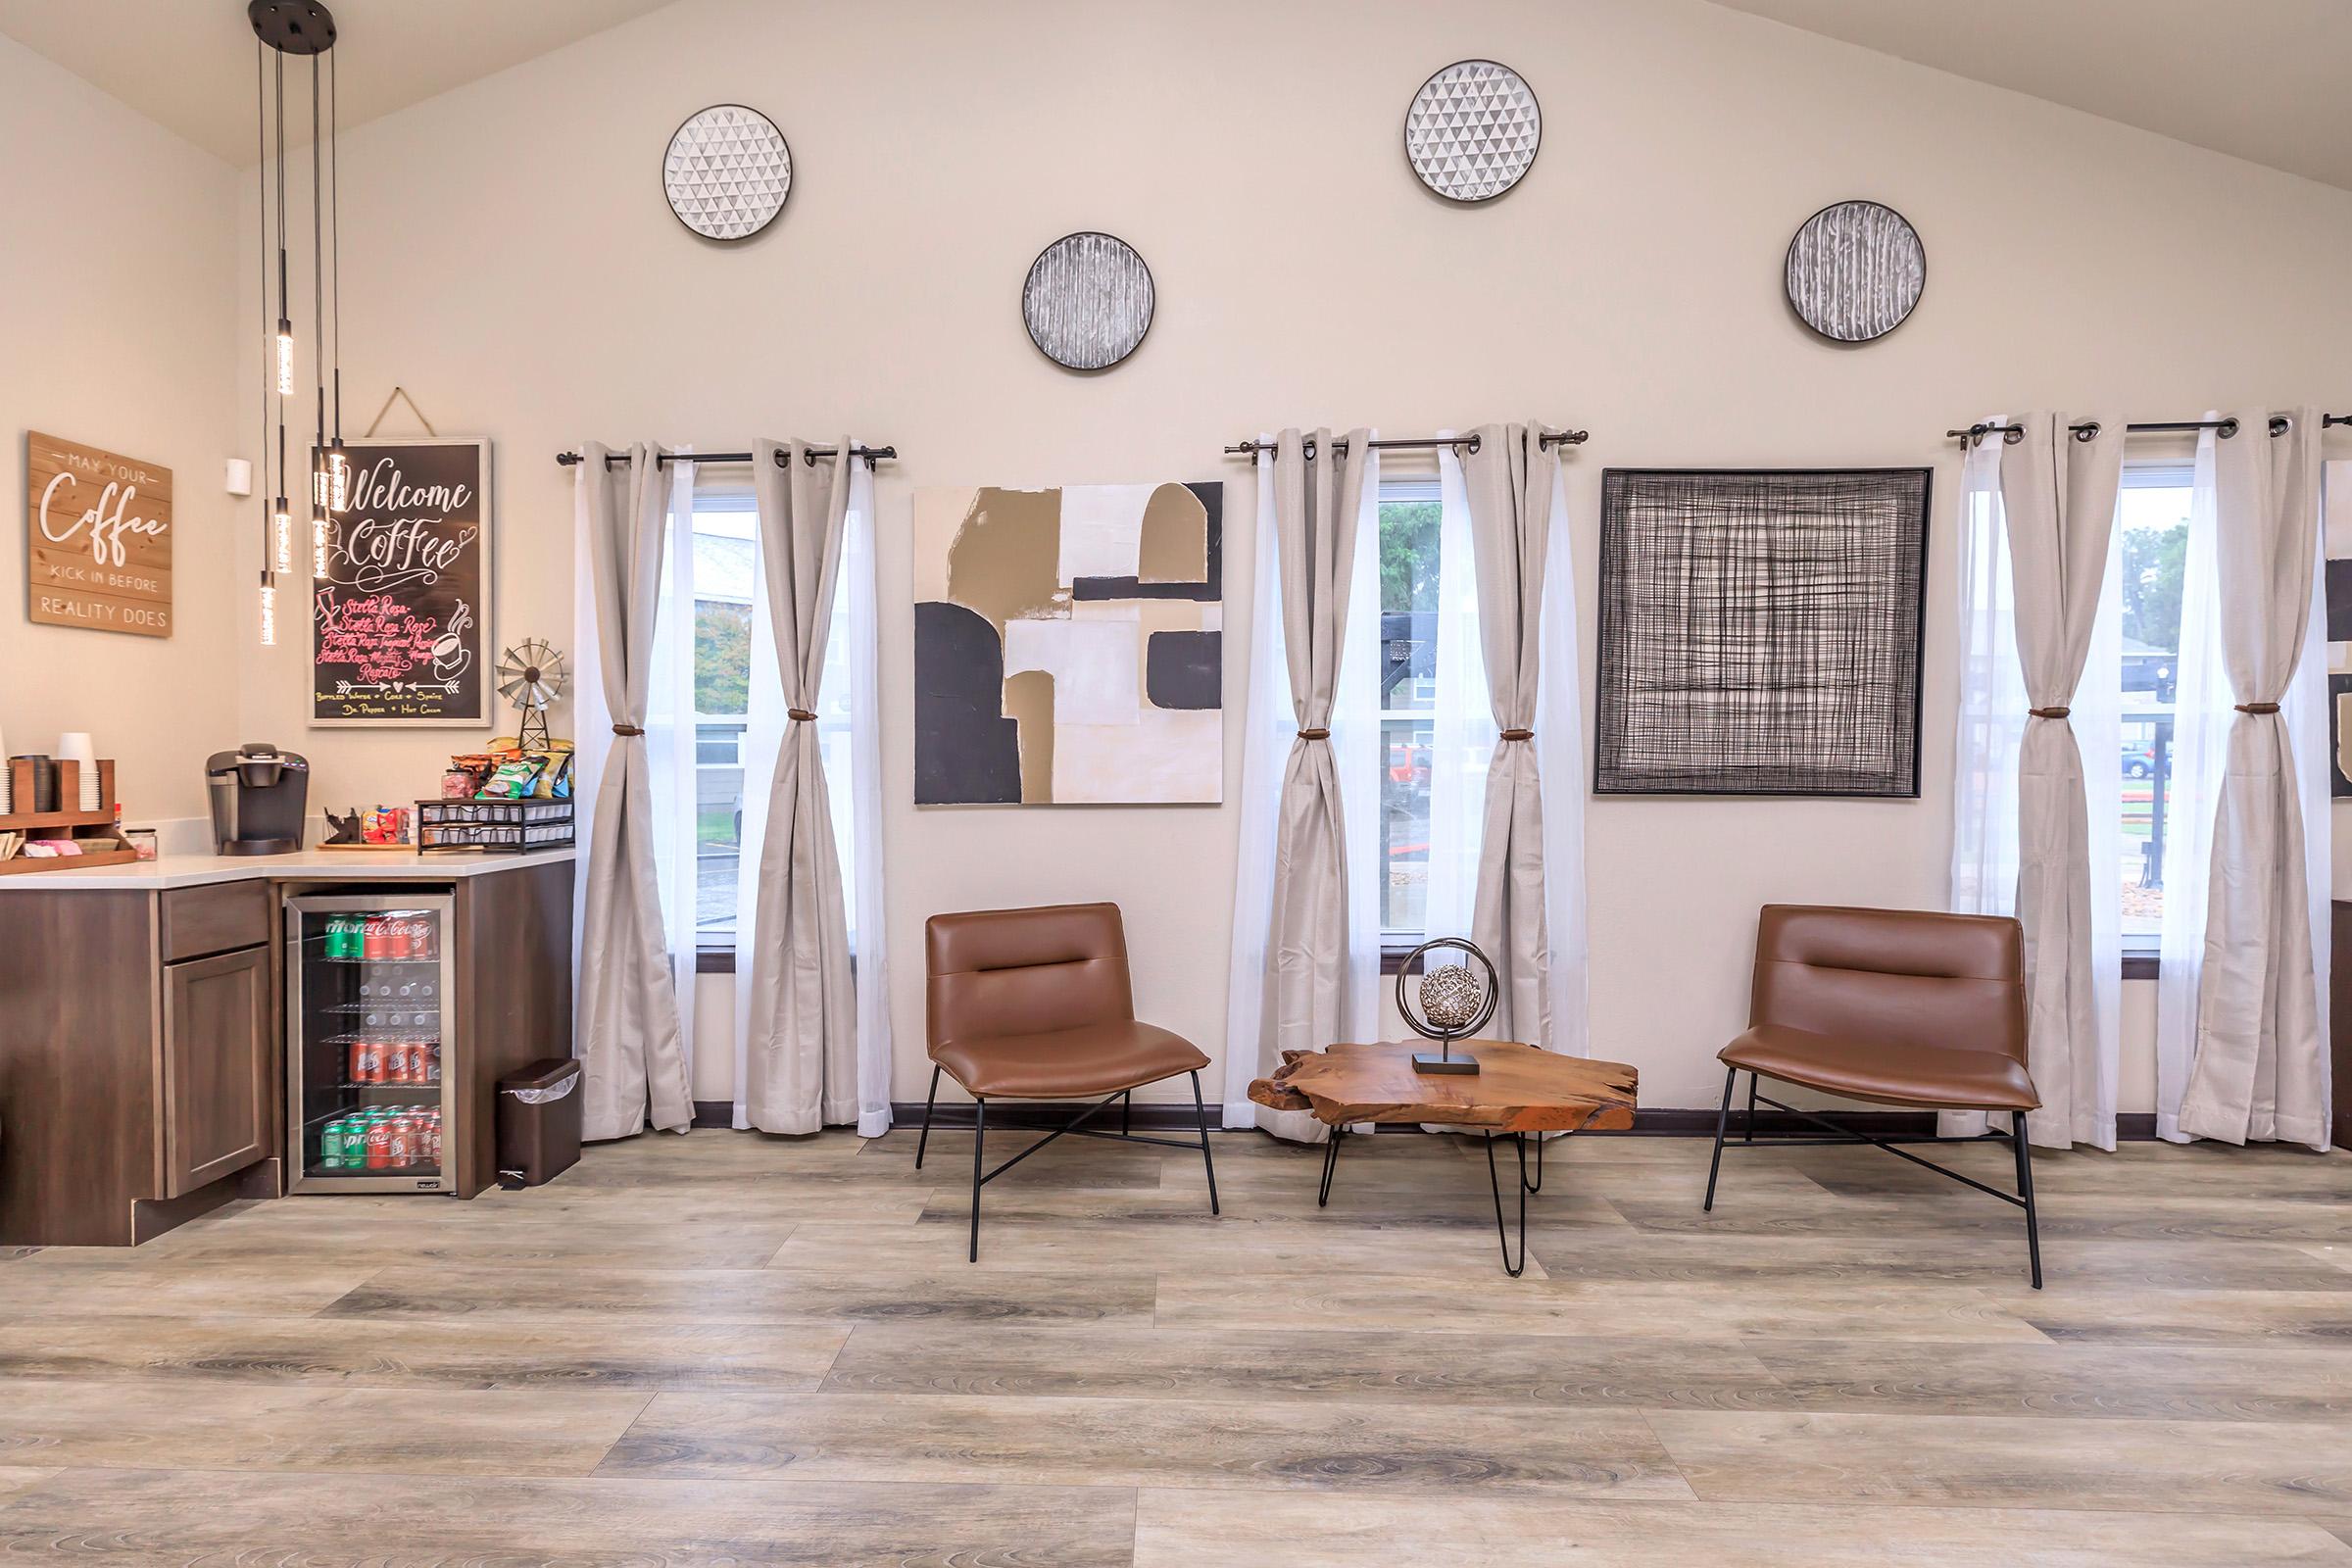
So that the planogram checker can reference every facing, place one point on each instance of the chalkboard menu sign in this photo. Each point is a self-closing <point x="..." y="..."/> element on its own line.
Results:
<point x="400" y="606"/>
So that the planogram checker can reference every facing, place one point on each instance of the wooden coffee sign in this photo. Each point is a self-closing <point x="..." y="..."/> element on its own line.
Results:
<point x="97" y="538"/>
<point x="400" y="611"/>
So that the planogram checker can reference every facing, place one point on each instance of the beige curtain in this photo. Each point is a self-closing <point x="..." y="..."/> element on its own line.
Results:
<point x="800" y="1052"/>
<point x="1318" y="500"/>
<point x="2058" y="493"/>
<point x="1509" y="480"/>
<point x="629" y="1033"/>
<point x="2260" y="1067"/>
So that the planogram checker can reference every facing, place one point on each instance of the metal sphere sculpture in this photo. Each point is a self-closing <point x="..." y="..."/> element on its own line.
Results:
<point x="1455" y="1005"/>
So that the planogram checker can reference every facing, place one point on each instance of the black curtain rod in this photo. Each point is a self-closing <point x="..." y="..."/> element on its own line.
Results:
<point x="1417" y="443"/>
<point x="2012" y="434"/>
<point x="870" y="453"/>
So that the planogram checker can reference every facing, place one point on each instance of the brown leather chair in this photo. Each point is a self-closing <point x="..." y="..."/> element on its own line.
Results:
<point x="1036" y="1005"/>
<point x="1892" y="1006"/>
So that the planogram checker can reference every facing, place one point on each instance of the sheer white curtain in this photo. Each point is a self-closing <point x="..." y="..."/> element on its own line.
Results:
<point x="1270" y="731"/>
<point x="2200" y="727"/>
<point x="1991" y="720"/>
<point x="1462" y="725"/>
<point x="1358" y="746"/>
<point x="853" y="709"/>
<point x="1560" y="755"/>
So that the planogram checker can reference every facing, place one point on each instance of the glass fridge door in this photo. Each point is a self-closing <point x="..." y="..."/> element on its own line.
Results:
<point x="371" y="1063"/>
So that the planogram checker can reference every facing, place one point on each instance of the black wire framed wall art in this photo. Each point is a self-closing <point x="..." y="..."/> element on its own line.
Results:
<point x="1759" y="631"/>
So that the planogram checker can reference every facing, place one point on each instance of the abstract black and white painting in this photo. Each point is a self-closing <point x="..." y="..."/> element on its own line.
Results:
<point x="1068" y="645"/>
<point x="1759" y="631"/>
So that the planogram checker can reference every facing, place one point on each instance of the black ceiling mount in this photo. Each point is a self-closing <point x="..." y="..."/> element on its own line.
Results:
<point x="293" y="27"/>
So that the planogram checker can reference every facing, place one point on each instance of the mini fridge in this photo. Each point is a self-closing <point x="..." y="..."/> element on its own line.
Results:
<point x="370" y="1057"/>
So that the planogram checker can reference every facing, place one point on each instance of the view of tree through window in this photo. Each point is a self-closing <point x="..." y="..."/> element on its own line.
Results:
<point x="725" y="556"/>
<point x="2152" y="536"/>
<point x="1409" y="632"/>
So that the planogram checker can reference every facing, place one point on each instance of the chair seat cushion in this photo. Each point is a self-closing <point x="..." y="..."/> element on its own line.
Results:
<point x="1939" y="1077"/>
<point x="1097" y="1058"/>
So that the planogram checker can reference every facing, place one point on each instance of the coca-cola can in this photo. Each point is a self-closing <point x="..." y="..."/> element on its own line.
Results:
<point x="367" y="1061"/>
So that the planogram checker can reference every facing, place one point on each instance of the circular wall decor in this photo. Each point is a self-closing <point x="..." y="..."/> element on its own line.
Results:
<point x="1088" y="301"/>
<point x="1472" y="130"/>
<point x="727" y="171"/>
<point x="1855" y="270"/>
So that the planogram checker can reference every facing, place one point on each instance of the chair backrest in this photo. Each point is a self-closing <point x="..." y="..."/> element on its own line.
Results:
<point x="1896" y="977"/>
<point x="1026" y="971"/>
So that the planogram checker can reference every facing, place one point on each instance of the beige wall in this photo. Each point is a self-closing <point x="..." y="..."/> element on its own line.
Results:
<point x="118" y="281"/>
<point x="508" y="258"/>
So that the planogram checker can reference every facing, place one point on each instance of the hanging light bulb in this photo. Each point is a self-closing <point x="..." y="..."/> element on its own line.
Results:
<point x="303" y="29"/>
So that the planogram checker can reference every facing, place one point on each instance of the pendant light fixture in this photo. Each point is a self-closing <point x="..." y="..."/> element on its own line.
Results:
<point x="302" y="28"/>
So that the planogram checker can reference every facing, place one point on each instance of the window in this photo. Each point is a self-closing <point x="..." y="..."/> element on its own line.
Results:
<point x="2152" y="541"/>
<point x="728" y="751"/>
<point x="726" y="557"/>
<point x="1408" y="636"/>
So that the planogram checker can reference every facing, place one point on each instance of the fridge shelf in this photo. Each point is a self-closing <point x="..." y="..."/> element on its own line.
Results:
<point x="361" y="963"/>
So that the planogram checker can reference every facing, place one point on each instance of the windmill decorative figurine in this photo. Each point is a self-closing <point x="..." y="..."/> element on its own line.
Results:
<point x="530" y="675"/>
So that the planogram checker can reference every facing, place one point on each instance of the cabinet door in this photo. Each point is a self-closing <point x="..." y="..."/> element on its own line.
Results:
<point x="216" y="1079"/>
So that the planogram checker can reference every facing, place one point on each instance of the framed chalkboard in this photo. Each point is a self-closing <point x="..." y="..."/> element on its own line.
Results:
<point x="400" y="601"/>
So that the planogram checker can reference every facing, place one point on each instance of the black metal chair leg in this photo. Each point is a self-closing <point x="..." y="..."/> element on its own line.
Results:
<point x="979" y="1135"/>
<point x="2025" y="1189"/>
<point x="1749" y="1134"/>
<point x="1502" y="1237"/>
<point x="1723" y="1119"/>
<point x="921" y="1142"/>
<point x="1126" y="1113"/>
<point x="1331" y="1160"/>
<point x="1201" y="1115"/>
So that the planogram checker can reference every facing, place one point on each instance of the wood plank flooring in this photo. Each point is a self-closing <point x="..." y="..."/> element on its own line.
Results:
<point x="730" y="1348"/>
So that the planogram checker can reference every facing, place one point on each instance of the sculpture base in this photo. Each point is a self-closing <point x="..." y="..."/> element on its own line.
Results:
<point x="1434" y="1061"/>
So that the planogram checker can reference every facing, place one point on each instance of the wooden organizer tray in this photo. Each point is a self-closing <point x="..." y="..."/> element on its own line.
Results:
<point x="97" y="827"/>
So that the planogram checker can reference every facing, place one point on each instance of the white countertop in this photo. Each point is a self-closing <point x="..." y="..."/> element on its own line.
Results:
<point x="306" y="865"/>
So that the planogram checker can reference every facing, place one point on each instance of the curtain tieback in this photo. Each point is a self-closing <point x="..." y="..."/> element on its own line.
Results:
<point x="2049" y="713"/>
<point x="1516" y="735"/>
<point x="1314" y="734"/>
<point x="2258" y="708"/>
<point x="800" y="715"/>
<point x="627" y="729"/>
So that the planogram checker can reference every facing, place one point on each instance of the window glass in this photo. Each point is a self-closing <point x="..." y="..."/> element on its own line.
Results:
<point x="2153" y="538"/>
<point x="726" y="556"/>
<point x="1408" y="633"/>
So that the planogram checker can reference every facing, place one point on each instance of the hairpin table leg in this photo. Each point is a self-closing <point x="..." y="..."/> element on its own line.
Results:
<point x="1495" y="1180"/>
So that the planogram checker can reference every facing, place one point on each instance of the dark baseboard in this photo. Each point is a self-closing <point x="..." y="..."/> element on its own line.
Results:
<point x="1656" y="1122"/>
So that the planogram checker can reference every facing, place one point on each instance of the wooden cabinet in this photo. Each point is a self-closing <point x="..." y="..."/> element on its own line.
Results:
<point x="143" y="1038"/>
<point x="218" y="1078"/>
<point x="135" y="1092"/>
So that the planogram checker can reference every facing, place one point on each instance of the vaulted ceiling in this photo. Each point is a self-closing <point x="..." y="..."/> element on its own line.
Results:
<point x="2267" y="81"/>
<point x="189" y="64"/>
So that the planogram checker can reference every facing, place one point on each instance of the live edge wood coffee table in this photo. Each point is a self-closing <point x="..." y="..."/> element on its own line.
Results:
<point x="1516" y="1090"/>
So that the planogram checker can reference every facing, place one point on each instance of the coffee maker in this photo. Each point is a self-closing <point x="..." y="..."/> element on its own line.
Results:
<point x="258" y="794"/>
